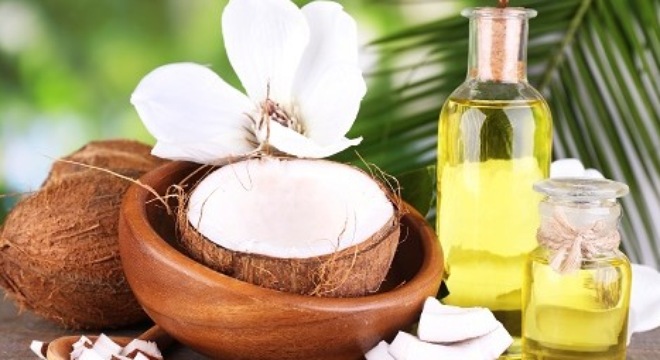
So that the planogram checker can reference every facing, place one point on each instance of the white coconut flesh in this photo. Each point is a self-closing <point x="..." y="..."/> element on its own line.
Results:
<point x="288" y="208"/>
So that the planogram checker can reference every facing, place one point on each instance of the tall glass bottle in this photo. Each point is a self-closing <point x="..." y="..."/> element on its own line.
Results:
<point x="494" y="143"/>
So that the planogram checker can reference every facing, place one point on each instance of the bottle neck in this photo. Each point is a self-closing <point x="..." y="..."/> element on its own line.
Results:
<point x="498" y="45"/>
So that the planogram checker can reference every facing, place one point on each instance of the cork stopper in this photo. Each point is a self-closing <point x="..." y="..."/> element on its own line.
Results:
<point x="501" y="40"/>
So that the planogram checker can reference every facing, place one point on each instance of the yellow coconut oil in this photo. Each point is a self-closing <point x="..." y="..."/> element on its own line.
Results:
<point x="583" y="315"/>
<point x="490" y="153"/>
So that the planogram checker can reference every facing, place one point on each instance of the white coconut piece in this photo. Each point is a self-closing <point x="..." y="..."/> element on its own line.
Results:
<point x="105" y="347"/>
<point x="293" y="208"/>
<point x="487" y="347"/>
<point x="490" y="346"/>
<point x="39" y="348"/>
<point x="138" y="356"/>
<point x="142" y="346"/>
<point x="79" y="346"/>
<point x="409" y="347"/>
<point x="448" y="324"/>
<point x="90" y="354"/>
<point x="379" y="352"/>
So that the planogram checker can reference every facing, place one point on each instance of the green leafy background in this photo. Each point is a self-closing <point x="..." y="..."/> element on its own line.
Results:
<point x="67" y="69"/>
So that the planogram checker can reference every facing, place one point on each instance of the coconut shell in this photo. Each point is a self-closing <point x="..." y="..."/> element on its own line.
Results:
<point x="59" y="255"/>
<point x="126" y="157"/>
<point x="355" y="271"/>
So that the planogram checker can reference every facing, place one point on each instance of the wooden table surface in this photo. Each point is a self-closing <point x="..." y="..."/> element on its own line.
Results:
<point x="18" y="330"/>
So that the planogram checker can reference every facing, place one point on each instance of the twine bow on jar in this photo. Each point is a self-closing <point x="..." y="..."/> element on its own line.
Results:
<point x="570" y="245"/>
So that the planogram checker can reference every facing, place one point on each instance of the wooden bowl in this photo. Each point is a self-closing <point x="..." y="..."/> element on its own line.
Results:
<point x="225" y="318"/>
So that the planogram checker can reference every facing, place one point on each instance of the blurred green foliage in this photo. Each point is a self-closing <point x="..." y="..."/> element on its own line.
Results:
<point x="85" y="58"/>
<point x="67" y="69"/>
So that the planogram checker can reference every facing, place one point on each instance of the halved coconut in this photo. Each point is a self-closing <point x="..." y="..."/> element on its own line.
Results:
<point x="304" y="226"/>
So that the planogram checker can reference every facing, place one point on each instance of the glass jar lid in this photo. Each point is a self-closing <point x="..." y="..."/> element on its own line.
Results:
<point x="581" y="189"/>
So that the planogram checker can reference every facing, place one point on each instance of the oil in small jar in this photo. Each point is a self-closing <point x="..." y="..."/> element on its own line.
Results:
<point x="576" y="292"/>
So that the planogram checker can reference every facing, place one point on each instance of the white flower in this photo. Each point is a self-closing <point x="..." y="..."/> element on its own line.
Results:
<point x="299" y="68"/>
<point x="563" y="168"/>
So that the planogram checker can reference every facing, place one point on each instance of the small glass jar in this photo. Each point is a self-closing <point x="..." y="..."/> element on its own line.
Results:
<point x="576" y="289"/>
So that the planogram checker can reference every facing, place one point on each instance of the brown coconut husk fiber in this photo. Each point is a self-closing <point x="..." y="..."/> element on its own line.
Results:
<point x="59" y="254"/>
<point x="355" y="271"/>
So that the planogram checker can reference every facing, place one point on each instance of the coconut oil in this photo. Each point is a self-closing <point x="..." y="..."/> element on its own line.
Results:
<point x="580" y="316"/>
<point x="577" y="283"/>
<point x="490" y="155"/>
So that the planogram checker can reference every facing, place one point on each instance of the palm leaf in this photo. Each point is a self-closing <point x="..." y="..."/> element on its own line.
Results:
<point x="596" y="62"/>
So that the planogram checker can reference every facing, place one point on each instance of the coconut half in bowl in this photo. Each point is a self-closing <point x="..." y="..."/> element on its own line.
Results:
<point x="310" y="227"/>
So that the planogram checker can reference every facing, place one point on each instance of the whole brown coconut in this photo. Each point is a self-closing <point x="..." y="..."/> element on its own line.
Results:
<point x="126" y="157"/>
<point x="59" y="255"/>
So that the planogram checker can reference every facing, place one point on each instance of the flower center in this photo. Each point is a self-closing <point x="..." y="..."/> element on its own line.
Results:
<point x="272" y="111"/>
<point x="269" y="112"/>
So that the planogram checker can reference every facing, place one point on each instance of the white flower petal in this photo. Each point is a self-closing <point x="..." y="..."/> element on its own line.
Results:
<point x="329" y="85"/>
<point x="330" y="104"/>
<point x="190" y="108"/>
<point x="265" y="40"/>
<point x="333" y="39"/>
<point x="566" y="168"/>
<point x="205" y="152"/>
<point x="593" y="174"/>
<point x="293" y="143"/>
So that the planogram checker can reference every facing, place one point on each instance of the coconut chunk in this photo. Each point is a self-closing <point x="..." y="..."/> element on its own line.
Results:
<point x="79" y="346"/>
<point x="409" y="347"/>
<point x="486" y="347"/>
<point x="491" y="345"/>
<point x="448" y="324"/>
<point x="137" y="356"/>
<point x="105" y="347"/>
<point x="137" y="347"/>
<point x="288" y="208"/>
<point x="140" y="356"/>
<point x="89" y="354"/>
<point x="39" y="348"/>
<point x="379" y="352"/>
